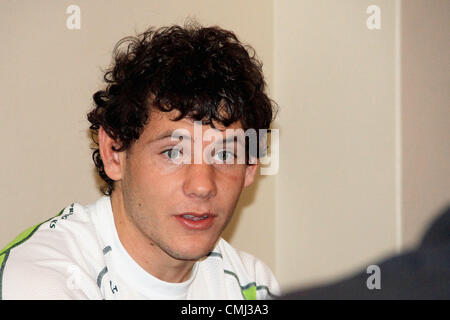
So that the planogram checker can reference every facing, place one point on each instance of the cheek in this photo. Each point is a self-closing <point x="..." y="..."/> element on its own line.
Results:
<point x="232" y="176"/>
<point x="141" y="182"/>
<point x="231" y="185"/>
<point x="158" y="189"/>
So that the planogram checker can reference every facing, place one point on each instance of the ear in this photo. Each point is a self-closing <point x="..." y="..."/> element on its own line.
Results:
<point x="250" y="172"/>
<point x="112" y="160"/>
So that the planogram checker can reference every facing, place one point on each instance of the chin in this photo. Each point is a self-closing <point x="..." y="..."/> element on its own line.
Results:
<point x="188" y="256"/>
<point x="194" y="250"/>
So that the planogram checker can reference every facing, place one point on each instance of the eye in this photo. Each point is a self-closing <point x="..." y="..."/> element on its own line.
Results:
<point x="173" y="153"/>
<point x="224" y="156"/>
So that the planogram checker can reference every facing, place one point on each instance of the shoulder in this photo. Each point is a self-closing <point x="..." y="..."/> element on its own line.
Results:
<point x="47" y="260"/>
<point x="251" y="273"/>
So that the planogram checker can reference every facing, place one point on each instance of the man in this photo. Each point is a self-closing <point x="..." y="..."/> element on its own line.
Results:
<point x="156" y="232"/>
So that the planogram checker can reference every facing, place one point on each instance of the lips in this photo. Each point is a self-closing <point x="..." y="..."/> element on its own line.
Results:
<point x="196" y="221"/>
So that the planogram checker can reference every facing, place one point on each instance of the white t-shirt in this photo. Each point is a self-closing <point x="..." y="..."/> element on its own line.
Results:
<point x="78" y="255"/>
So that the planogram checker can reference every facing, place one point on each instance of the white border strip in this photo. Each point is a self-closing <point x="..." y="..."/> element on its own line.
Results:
<point x="398" y="128"/>
<point x="277" y="255"/>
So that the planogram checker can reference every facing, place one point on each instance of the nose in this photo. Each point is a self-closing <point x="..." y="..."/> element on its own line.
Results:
<point x="200" y="181"/>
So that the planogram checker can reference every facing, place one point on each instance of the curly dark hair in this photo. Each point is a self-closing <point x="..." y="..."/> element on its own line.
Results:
<point x="199" y="71"/>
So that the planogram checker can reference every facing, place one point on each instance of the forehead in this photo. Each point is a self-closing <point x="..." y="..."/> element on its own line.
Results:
<point x="161" y="123"/>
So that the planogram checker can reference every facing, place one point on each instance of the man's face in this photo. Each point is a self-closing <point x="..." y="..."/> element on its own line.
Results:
<point x="182" y="208"/>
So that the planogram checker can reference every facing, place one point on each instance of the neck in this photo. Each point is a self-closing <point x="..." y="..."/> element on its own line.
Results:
<point x="147" y="254"/>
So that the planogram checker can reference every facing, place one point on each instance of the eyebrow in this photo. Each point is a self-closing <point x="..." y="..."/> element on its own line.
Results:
<point x="168" y="133"/>
<point x="232" y="139"/>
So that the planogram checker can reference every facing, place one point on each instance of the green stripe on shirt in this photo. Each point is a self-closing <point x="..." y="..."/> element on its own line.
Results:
<point x="25" y="235"/>
<point x="21" y="238"/>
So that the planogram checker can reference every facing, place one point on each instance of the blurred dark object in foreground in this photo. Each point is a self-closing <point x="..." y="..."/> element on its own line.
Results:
<point x="422" y="273"/>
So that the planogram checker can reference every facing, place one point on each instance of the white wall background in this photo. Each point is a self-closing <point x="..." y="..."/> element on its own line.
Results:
<point x="364" y="147"/>
<point x="336" y="186"/>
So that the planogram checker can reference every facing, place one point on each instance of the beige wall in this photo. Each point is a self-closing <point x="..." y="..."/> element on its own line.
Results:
<point x="335" y="83"/>
<point x="352" y="186"/>
<point x="364" y="132"/>
<point x="426" y="113"/>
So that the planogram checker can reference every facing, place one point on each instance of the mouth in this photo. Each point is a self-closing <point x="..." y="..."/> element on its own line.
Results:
<point x="196" y="221"/>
